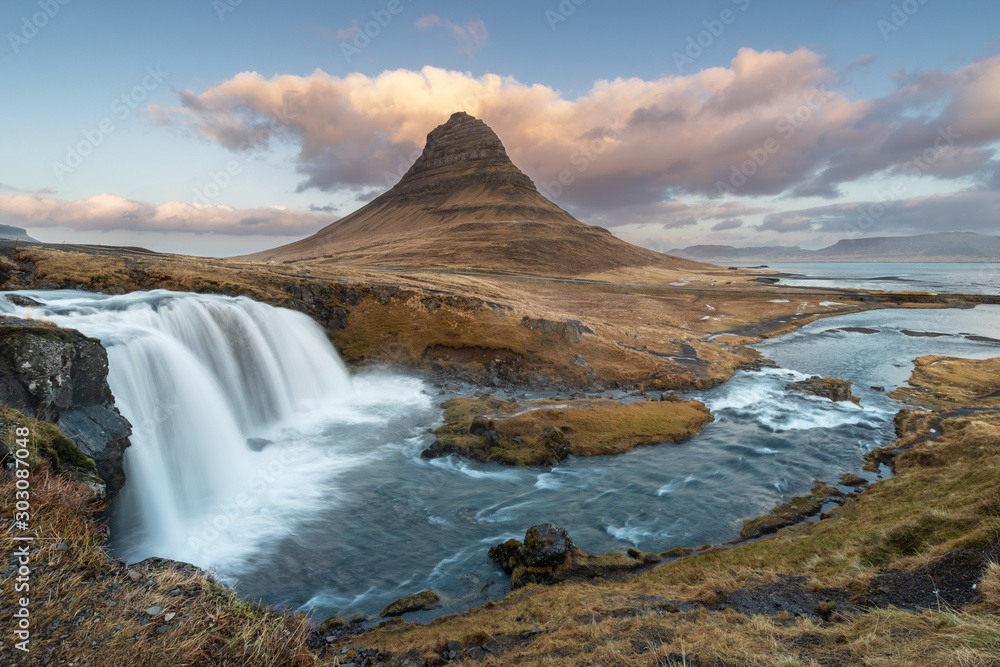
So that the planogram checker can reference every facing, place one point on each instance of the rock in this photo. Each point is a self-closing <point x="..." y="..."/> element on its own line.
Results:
<point x="850" y="479"/>
<point x="258" y="444"/>
<point x="331" y="624"/>
<point x="833" y="388"/>
<point x="878" y="388"/>
<point x="154" y="611"/>
<point x="492" y="439"/>
<point x="23" y="301"/>
<point x="169" y="616"/>
<point x="60" y="375"/>
<point x="571" y="331"/>
<point x="505" y="554"/>
<point x="546" y="545"/>
<point x="556" y="442"/>
<point x="548" y="556"/>
<point x="790" y="513"/>
<point x="481" y="426"/>
<point x="421" y="601"/>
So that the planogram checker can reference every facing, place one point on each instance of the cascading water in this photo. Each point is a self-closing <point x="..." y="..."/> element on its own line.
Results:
<point x="206" y="381"/>
<point x="331" y="509"/>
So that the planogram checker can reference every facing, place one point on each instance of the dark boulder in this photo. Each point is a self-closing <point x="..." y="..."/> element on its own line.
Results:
<point x="60" y="376"/>
<point x="833" y="388"/>
<point x="546" y="545"/>
<point x="548" y="556"/>
<point x="421" y="601"/>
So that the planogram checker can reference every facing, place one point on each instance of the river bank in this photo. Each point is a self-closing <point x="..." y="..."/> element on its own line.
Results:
<point x="398" y="643"/>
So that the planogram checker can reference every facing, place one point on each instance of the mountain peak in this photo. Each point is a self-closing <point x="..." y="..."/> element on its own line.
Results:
<point x="460" y="150"/>
<point x="464" y="205"/>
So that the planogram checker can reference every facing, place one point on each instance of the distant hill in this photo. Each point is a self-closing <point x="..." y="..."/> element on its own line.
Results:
<point x="943" y="247"/>
<point x="9" y="233"/>
<point x="464" y="205"/>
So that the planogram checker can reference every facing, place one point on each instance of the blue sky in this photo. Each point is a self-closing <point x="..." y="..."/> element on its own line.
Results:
<point x="152" y="92"/>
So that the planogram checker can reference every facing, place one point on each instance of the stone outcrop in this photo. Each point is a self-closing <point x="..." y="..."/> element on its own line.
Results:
<point x="833" y="388"/>
<point x="419" y="602"/>
<point x="548" y="556"/>
<point x="787" y="514"/>
<point x="60" y="376"/>
<point x="571" y="331"/>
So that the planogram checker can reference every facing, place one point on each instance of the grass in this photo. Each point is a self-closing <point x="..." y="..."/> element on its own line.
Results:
<point x="905" y="522"/>
<point x="586" y="427"/>
<point x="88" y="608"/>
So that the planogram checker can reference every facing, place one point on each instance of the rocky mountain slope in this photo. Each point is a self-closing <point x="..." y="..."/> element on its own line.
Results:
<point x="464" y="205"/>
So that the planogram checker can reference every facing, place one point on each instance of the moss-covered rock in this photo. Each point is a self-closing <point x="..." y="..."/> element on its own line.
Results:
<point x="418" y="602"/>
<point x="546" y="432"/>
<point x="60" y="376"/>
<point x="790" y="513"/>
<point x="833" y="388"/>
<point x="548" y="556"/>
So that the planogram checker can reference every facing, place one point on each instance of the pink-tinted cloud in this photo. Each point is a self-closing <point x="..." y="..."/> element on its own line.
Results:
<point x="112" y="212"/>
<point x="770" y="123"/>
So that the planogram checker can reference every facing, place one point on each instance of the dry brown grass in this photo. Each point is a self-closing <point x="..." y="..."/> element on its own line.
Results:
<point x="935" y="505"/>
<point x="87" y="608"/>
<point x="599" y="427"/>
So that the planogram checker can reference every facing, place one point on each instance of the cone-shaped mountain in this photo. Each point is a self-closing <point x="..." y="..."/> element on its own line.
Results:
<point x="464" y="205"/>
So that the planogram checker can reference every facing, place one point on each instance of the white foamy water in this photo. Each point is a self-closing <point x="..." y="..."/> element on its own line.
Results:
<point x="198" y="376"/>
<point x="768" y="402"/>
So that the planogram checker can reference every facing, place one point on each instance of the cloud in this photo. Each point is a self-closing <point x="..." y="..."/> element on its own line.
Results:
<point x="112" y="212"/>
<point x="769" y="124"/>
<point x="425" y="22"/>
<point x="863" y="60"/>
<point x="347" y="34"/>
<point x="471" y="36"/>
<point x="729" y="223"/>
<point x="4" y="187"/>
<point x="329" y="208"/>
<point x="970" y="211"/>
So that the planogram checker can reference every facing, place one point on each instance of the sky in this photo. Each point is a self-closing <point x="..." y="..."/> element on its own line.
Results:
<point x="220" y="127"/>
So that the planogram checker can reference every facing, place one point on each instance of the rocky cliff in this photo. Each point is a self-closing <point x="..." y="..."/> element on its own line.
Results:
<point x="60" y="376"/>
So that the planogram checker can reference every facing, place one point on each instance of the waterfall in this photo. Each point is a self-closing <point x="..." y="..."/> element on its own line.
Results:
<point x="227" y="398"/>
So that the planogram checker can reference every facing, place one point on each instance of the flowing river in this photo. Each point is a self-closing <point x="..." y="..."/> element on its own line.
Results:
<point x="257" y="455"/>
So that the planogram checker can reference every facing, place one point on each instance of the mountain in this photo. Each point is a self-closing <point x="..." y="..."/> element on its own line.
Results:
<point x="942" y="247"/>
<point x="9" y="233"/>
<point x="464" y="205"/>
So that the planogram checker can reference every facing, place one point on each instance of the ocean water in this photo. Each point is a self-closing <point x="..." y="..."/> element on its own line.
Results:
<point x="966" y="277"/>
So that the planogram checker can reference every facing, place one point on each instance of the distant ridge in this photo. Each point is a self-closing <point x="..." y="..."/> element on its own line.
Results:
<point x="464" y="205"/>
<point x="11" y="233"/>
<point x="942" y="247"/>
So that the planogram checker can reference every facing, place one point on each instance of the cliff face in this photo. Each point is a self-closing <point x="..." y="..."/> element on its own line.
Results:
<point x="464" y="205"/>
<point x="60" y="376"/>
